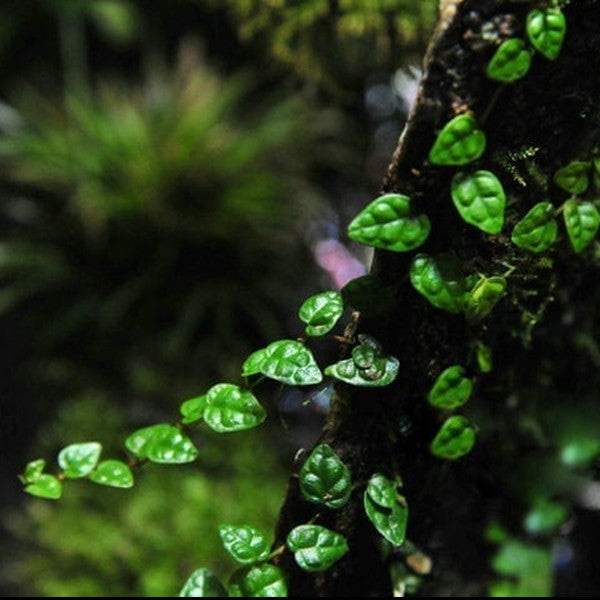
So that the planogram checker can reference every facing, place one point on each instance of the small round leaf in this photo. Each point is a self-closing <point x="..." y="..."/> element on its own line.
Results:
<point x="290" y="362"/>
<point x="258" y="581"/>
<point x="546" y="31"/>
<point x="169" y="445"/>
<point x="79" y="460"/>
<point x="46" y="486"/>
<point x="202" y="583"/>
<point x="460" y="142"/>
<point x="321" y="312"/>
<point x="537" y="230"/>
<point x="510" y="62"/>
<point x="486" y="293"/>
<point x="390" y="522"/>
<point x="581" y="221"/>
<point x="33" y="470"/>
<point x="245" y="543"/>
<point x="315" y="547"/>
<point x="192" y="409"/>
<point x="382" y="491"/>
<point x="455" y="438"/>
<point x="574" y="177"/>
<point x="232" y="408"/>
<point x="113" y="473"/>
<point x="451" y="389"/>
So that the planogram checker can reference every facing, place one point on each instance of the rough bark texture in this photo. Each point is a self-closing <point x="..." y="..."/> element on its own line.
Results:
<point x="554" y="111"/>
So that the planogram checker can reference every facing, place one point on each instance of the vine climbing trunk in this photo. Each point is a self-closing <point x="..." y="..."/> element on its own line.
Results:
<point x="533" y="126"/>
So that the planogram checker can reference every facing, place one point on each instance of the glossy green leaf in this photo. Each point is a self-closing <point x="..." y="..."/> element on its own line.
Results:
<point x="45" y="486"/>
<point x="315" y="547"/>
<point x="451" y="389"/>
<point x="382" y="372"/>
<point x="510" y="62"/>
<point x="480" y="200"/>
<point x="245" y="543"/>
<point x="324" y="478"/>
<point x="545" y="517"/>
<point x="258" y="581"/>
<point x="546" y="30"/>
<point x="440" y="279"/>
<point x="455" y="438"/>
<point x="291" y="362"/>
<point x="536" y="231"/>
<point x="580" y="452"/>
<point x="232" y="408"/>
<point x="390" y="522"/>
<point x="581" y="221"/>
<point x="202" y="583"/>
<point x="254" y="362"/>
<point x="382" y="491"/>
<point x="33" y="471"/>
<point x="369" y="295"/>
<point x="460" y="142"/>
<point x="137" y="442"/>
<point x="192" y="410"/>
<point x="113" y="473"/>
<point x="389" y="223"/>
<point x="486" y="293"/>
<point x="484" y="358"/>
<point x="162" y="443"/>
<point x="79" y="460"/>
<point x="574" y="177"/>
<point x="321" y="312"/>
<point x="364" y="356"/>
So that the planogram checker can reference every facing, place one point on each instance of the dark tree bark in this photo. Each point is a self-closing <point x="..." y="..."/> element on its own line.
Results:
<point x="535" y="331"/>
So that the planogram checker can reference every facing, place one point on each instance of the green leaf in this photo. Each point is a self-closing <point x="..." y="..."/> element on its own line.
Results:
<point x="245" y="543"/>
<point x="574" y="177"/>
<point x="486" y="293"/>
<point x="258" y="581"/>
<point x="79" y="460"/>
<point x="546" y="31"/>
<point x="46" y="486"/>
<point x="202" y="583"/>
<point x="389" y="522"/>
<point x="291" y="362"/>
<point x="460" y="142"/>
<point x="510" y="62"/>
<point x="389" y="223"/>
<point x="455" y="438"/>
<point x="113" y="473"/>
<point x="192" y="410"/>
<point x="364" y="356"/>
<point x="33" y="471"/>
<point x="580" y="452"/>
<point x="232" y="408"/>
<point x="451" y="389"/>
<point x="324" y="478"/>
<point x="581" y="221"/>
<point x="484" y="358"/>
<point x="383" y="372"/>
<point x="545" y="517"/>
<point x="254" y="362"/>
<point x="162" y="443"/>
<point x="315" y="547"/>
<point x="321" y="312"/>
<point x="382" y="491"/>
<point x="440" y="279"/>
<point x="536" y="231"/>
<point x="480" y="200"/>
<point x="369" y="295"/>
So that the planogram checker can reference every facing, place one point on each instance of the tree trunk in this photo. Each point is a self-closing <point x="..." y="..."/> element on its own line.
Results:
<point x="543" y="332"/>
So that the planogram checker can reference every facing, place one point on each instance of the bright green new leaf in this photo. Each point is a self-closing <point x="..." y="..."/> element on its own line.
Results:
<point x="291" y="362"/>
<point x="202" y="583"/>
<point x="455" y="438"/>
<point x="258" y="581"/>
<point x="113" y="473"/>
<point x="580" y="452"/>
<point x="480" y="199"/>
<point x="574" y="177"/>
<point x="460" y="142"/>
<point x="510" y="62"/>
<point x="581" y="221"/>
<point x="192" y="410"/>
<point x="79" y="460"/>
<point x="382" y="372"/>
<point x="369" y="295"/>
<point x="484" y="358"/>
<point x="545" y="517"/>
<point x="390" y="522"/>
<point x="232" y="408"/>
<point x="324" y="478"/>
<point x="382" y="491"/>
<point x="245" y="543"/>
<point x="486" y="293"/>
<point x="388" y="223"/>
<point x="46" y="486"/>
<point x="321" y="312"/>
<point x="440" y="279"/>
<point x="451" y="389"/>
<point x="254" y="362"/>
<point x="546" y="31"/>
<point x="33" y="470"/>
<point x="536" y="231"/>
<point x="315" y="547"/>
<point x="162" y="443"/>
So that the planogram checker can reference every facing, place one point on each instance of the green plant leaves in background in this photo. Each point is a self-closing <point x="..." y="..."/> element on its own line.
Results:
<point x="440" y="279"/>
<point x="537" y="230"/>
<point x="258" y="581"/>
<point x="162" y="443"/>
<point x="386" y="509"/>
<point x="324" y="478"/>
<point x="321" y="312"/>
<point x="45" y="486"/>
<point x="484" y="358"/>
<point x="79" y="460"/>
<point x="580" y="452"/>
<point x="244" y="543"/>
<point x="192" y="410"/>
<point x="455" y="438"/>
<point x="113" y="473"/>
<point x="545" y="517"/>
<point x="388" y="223"/>
<point x="459" y="142"/>
<point x="202" y="583"/>
<point x="510" y="62"/>
<point x="546" y="30"/>
<point x="451" y="389"/>
<point x="315" y="547"/>
<point x="581" y="221"/>
<point x="480" y="200"/>
<point x="486" y="293"/>
<point x="231" y="408"/>
<point x="573" y="178"/>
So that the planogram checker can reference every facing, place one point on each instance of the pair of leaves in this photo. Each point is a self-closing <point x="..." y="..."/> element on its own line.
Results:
<point x="451" y="389"/>
<point x="386" y="508"/>
<point x="455" y="438"/>
<point x="321" y="312"/>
